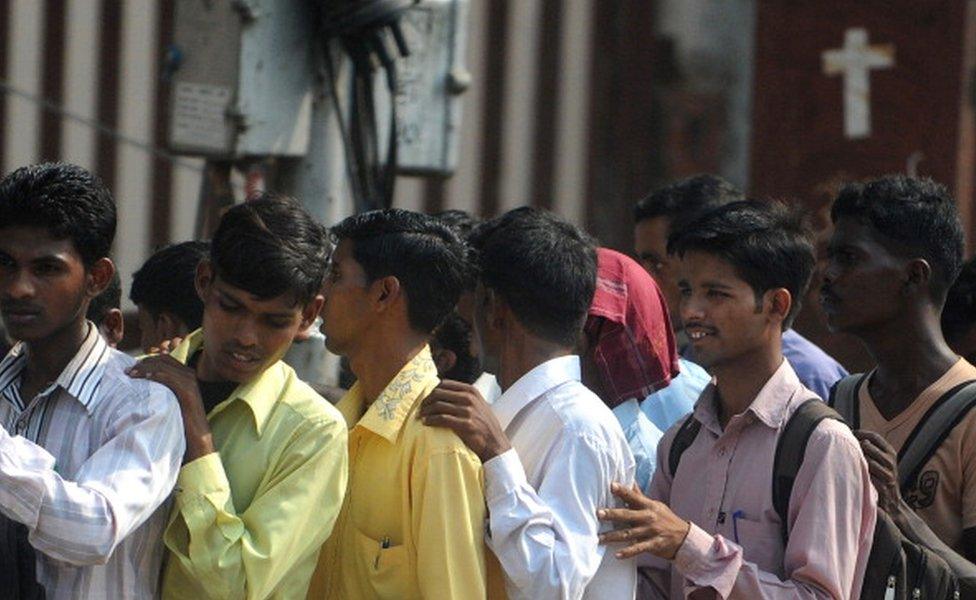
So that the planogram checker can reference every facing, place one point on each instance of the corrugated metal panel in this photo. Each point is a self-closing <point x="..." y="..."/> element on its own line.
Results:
<point x="86" y="75"/>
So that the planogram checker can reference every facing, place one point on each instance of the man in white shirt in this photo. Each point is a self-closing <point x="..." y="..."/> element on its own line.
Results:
<point x="550" y="447"/>
<point x="87" y="455"/>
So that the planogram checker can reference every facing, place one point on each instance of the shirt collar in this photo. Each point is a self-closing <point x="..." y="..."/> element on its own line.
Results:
<point x="387" y="414"/>
<point x="769" y="406"/>
<point x="533" y="384"/>
<point x="260" y="393"/>
<point x="81" y="377"/>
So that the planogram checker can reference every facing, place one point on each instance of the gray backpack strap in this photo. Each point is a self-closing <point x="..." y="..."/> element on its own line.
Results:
<point x="682" y="440"/>
<point x="843" y="398"/>
<point x="934" y="427"/>
<point x="790" y="448"/>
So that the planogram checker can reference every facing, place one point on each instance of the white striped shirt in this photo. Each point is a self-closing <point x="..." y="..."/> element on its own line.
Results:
<point x="88" y="466"/>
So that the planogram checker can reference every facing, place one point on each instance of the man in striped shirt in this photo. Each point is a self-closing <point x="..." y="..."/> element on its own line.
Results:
<point x="87" y="454"/>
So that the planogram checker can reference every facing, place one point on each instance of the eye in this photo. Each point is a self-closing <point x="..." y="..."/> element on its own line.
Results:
<point x="717" y="294"/>
<point x="226" y="306"/>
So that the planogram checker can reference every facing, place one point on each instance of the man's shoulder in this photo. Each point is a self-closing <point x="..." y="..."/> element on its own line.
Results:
<point x="809" y="359"/>
<point x="301" y="399"/>
<point x="424" y="441"/>
<point x="117" y="389"/>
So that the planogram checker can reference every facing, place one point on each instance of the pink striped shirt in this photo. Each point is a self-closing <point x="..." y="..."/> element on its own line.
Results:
<point x="723" y="485"/>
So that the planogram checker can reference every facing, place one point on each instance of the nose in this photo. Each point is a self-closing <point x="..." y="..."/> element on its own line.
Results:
<point x="692" y="308"/>
<point x="18" y="285"/>
<point x="246" y="334"/>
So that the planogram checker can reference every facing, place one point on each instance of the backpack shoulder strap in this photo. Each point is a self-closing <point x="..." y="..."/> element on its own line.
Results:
<point x="843" y="398"/>
<point x="790" y="448"/>
<point x="682" y="440"/>
<point x="933" y="428"/>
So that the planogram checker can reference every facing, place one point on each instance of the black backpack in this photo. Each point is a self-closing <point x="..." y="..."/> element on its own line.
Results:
<point x="897" y="569"/>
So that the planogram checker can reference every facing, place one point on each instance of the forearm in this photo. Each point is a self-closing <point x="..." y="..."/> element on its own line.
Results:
<point x="544" y="556"/>
<point x="81" y="522"/>
<point x="246" y="553"/>
<point x="715" y="567"/>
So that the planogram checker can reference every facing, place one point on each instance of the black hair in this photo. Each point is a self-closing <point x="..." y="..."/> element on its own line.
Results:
<point x="959" y="312"/>
<point x="684" y="201"/>
<point x="461" y="221"/>
<point x="428" y="258"/>
<point x="454" y="334"/>
<point x="917" y="214"/>
<point x="766" y="243"/>
<point x="66" y="200"/>
<point x="270" y="246"/>
<point x="166" y="282"/>
<point x="543" y="267"/>
<point x="111" y="297"/>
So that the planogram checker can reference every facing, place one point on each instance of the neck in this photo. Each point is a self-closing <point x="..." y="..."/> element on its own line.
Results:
<point x="379" y="359"/>
<point x="739" y="381"/>
<point x="49" y="357"/>
<point x="910" y="353"/>
<point x="520" y="358"/>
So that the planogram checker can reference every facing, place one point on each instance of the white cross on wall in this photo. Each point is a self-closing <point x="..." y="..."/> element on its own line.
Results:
<point x="855" y="61"/>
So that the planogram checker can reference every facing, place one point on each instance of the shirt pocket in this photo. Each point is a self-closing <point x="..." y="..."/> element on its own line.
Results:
<point x="762" y="544"/>
<point x="385" y="568"/>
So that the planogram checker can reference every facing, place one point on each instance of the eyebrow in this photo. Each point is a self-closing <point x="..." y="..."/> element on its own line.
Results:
<point x="275" y="315"/>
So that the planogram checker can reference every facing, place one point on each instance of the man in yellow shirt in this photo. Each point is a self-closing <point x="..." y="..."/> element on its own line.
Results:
<point x="266" y="459"/>
<point x="412" y="525"/>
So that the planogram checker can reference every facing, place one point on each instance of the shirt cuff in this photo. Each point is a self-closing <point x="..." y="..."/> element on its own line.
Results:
<point x="503" y="475"/>
<point x="693" y="551"/>
<point x="204" y="476"/>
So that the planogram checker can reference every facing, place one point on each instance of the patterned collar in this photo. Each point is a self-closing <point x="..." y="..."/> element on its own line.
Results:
<point x="81" y="377"/>
<point x="387" y="414"/>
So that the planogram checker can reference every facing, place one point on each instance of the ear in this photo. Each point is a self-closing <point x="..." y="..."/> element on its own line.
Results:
<point x="311" y="311"/>
<point x="779" y="303"/>
<point x="169" y="326"/>
<point x="495" y="310"/>
<point x="100" y="276"/>
<point x="113" y="327"/>
<point x="204" y="279"/>
<point x="918" y="274"/>
<point x="385" y="291"/>
<point x="445" y="360"/>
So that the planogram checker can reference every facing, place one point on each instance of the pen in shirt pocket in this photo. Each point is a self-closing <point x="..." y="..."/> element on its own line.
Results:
<point x="383" y="546"/>
<point x="735" y="523"/>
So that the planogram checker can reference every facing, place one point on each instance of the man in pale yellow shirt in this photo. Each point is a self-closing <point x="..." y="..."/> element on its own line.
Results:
<point x="266" y="461"/>
<point x="412" y="525"/>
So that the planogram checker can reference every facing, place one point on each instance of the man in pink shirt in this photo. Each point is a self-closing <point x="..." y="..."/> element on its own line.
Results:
<point x="710" y="529"/>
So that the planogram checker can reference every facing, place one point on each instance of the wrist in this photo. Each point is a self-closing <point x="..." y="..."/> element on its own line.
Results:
<point x="493" y="449"/>
<point x="198" y="446"/>
<point x="680" y="536"/>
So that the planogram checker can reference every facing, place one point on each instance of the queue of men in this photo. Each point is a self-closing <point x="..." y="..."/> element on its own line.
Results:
<point x="532" y="416"/>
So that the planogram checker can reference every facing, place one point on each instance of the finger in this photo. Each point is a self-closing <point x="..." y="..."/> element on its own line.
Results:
<point x="875" y="438"/>
<point x="632" y="496"/>
<point x="622" y="515"/>
<point x="456" y="386"/>
<point x="875" y="454"/>
<point x="442" y="408"/>
<point x="447" y="421"/>
<point x="633" y="550"/>
<point x="442" y="395"/>
<point x="627" y="534"/>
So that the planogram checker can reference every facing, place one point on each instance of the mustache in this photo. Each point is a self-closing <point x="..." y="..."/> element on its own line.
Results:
<point x="700" y="325"/>
<point x="15" y="306"/>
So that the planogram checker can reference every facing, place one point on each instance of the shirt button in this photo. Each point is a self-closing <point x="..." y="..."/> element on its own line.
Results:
<point x="721" y="451"/>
